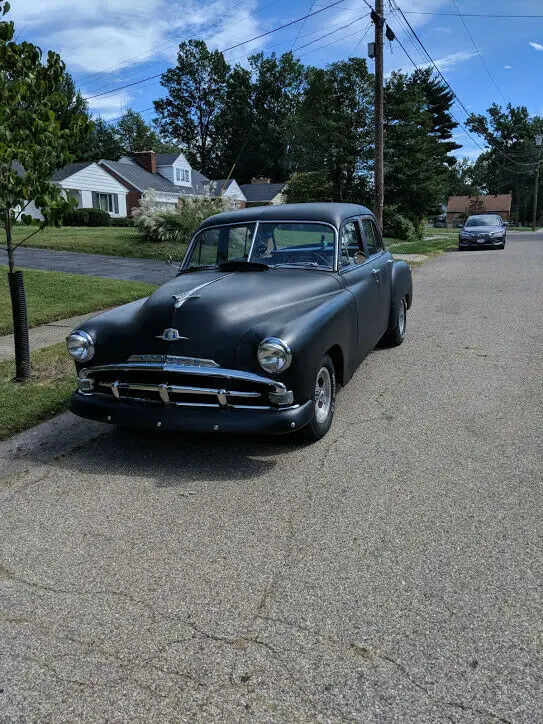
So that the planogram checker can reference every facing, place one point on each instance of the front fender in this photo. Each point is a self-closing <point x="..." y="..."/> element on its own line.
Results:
<point x="111" y="330"/>
<point x="310" y="331"/>
<point x="402" y="282"/>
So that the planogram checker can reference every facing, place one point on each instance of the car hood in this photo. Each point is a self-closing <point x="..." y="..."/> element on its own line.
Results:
<point x="212" y="310"/>
<point x="480" y="229"/>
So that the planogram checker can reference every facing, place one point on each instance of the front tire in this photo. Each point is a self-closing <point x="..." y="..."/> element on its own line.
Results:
<point x="397" y="324"/>
<point x="324" y="401"/>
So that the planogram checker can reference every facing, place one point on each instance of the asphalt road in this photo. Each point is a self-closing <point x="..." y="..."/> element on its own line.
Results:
<point x="390" y="573"/>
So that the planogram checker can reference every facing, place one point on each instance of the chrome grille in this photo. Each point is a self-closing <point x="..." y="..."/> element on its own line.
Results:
<point x="185" y="385"/>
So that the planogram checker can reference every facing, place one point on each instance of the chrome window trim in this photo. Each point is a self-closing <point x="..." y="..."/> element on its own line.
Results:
<point x="257" y="223"/>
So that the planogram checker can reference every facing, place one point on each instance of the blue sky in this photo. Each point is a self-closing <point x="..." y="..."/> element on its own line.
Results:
<point x="111" y="43"/>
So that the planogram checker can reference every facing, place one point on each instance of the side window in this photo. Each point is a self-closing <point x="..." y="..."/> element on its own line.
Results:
<point x="374" y="242"/>
<point x="350" y="245"/>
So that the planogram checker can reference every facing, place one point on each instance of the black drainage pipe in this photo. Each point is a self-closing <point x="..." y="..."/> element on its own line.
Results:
<point x="20" y="326"/>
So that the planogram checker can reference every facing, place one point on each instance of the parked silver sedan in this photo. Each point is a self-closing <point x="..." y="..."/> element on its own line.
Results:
<point x="482" y="230"/>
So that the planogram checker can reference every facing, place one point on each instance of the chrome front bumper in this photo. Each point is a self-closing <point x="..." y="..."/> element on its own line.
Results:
<point x="110" y="381"/>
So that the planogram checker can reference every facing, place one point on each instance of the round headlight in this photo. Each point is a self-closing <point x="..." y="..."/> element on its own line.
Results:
<point x="274" y="355"/>
<point x="80" y="346"/>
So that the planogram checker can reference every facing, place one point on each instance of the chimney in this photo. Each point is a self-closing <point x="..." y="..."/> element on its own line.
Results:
<point x="261" y="180"/>
<point x="147" y="159"/>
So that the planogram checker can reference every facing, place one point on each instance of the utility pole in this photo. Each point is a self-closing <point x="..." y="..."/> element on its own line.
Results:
<point x="377" y="17"/>
<point x="538" y="141"/>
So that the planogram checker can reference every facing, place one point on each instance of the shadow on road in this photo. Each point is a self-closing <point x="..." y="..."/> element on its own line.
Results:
<point x="179" y="459"/>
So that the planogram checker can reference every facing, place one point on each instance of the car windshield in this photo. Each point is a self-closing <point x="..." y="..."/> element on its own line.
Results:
<point x="483" y="221"/>
<point x="308" y="245"/>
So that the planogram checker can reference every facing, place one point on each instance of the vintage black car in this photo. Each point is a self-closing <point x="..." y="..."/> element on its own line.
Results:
<point x="272" y="309"/>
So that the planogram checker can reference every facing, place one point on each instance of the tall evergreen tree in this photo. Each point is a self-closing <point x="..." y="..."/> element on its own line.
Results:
<point x="418" y="145"/>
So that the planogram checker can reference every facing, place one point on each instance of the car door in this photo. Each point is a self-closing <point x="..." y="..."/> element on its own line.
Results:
<point x="381" y="262"/>
<point x="357" y="276"/>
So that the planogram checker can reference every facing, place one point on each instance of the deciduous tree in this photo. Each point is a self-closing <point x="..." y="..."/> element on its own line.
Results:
<point x="36" y="130"/>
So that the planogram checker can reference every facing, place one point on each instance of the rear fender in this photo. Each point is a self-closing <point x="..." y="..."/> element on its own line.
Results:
<point x="402" y="282"/>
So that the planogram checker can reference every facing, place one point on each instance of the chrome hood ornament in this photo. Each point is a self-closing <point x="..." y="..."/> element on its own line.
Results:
<point x="170" y="335"/>
<point x="180" y="299"/>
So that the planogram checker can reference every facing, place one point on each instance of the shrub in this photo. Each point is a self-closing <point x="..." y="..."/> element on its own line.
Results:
<point x="77" y="217"/>
<point x="122" y="221"/>
<point x="397" y="226"/>
<point x="97" y="217"/>
<point x="176" y="225"/>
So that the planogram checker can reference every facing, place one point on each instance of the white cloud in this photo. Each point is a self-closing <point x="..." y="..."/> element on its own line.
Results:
<point x="449" y="61"/>
<point x="110" y="106"/>
<point x="441" y="29"/>
<point x="109" y="35"/>
<point x="537" y="46"/>
<point x="508" y="67"/>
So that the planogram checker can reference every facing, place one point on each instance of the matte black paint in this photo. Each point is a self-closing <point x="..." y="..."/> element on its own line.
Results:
<point x="312" y="310"/>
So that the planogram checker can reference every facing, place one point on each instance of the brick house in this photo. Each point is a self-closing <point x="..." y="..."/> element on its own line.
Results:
<point x="458" y="207"/>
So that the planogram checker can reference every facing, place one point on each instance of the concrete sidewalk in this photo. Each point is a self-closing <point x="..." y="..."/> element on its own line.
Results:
<point x="45" y="335"/>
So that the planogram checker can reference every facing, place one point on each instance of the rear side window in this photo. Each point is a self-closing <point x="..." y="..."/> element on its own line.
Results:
<point x="351" y="250"/>
<point x="373" y="239"/>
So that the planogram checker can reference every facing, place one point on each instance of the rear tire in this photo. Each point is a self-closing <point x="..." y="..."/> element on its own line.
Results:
<point x="397" y="324"/>
<point x="324" y="402"/>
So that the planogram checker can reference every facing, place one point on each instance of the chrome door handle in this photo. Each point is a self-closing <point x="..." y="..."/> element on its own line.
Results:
<point x="390" y="261"/>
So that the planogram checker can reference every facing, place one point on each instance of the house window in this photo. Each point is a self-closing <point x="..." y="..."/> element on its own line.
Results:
<point x="106" y="202"/>
<point x="187" y="175"/>
<point x="178" y="174"/>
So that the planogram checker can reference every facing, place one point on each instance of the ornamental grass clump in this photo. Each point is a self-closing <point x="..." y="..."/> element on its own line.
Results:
<point x="178" y="225"/>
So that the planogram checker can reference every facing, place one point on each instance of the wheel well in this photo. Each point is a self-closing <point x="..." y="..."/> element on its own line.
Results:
<point x="336" y="355"/>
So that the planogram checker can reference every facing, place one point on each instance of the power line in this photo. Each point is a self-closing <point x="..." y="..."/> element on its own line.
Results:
<point x="419" y="41"/>
<point x="462" y="126"/>
<point x="347" y="25"/>
<point x="225" y="50"/>
<point x="302" y="26"/>
<point x="471" y="15"/>
<point x="478" y="52"/>
<point x="168" y="44"/>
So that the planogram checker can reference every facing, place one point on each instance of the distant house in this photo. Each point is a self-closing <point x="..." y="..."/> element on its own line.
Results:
<point x="460" y="206"/>
<point x="170" y="175"/>
<point x="228" y="189"/>
<point x="261" y="192"/>
<point x="91" y="186"/>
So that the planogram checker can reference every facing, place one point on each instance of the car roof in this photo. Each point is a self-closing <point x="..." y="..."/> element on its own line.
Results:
<point x="328" y="213"/>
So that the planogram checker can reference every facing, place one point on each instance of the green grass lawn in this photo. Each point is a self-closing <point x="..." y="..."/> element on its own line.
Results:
<point x="429" y="247"/>
<point x="55" y="295"/>
<point x="45" y="395"/>
<point x="112" y="241"/>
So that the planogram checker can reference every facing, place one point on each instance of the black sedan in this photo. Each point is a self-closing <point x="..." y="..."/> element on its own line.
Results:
<point x="272" y="309"/>
<point x="482" y="230"/>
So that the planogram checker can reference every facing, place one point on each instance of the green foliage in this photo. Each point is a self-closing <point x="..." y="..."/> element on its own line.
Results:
<point x="97" y="217"/>
<point x="176" y="226"/>
<point x="89" y="217"/>
<point x="121" y="221"/>
<point x="397" y="226"/>
<point x="311" y="186"/>
<point x="77" y="217"/>
<point x="417" y="143"/>
<point x="196" y="90"/>
<point x="37" y="128"/>
<point x="509" y="164"/>
<point x="334" y="126"/>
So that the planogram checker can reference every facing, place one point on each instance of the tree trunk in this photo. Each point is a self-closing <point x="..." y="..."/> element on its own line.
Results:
<point x="20" y="317"/>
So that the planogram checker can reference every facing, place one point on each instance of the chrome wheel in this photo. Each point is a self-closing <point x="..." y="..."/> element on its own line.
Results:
<point x="323" y="394"/>
<point x="402" y="318"/>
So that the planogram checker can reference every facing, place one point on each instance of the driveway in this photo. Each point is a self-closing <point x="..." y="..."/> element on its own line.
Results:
<point x="98" y="265"/>
<point x="390" y="573"/>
